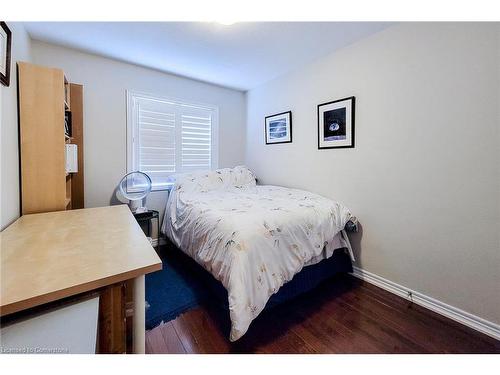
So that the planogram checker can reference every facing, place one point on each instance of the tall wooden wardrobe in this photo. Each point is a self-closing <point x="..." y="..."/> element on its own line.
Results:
<point x="47" y="101"/>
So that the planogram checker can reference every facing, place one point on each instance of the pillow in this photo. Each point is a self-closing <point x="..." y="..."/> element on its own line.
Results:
<point x="239" y="177"/>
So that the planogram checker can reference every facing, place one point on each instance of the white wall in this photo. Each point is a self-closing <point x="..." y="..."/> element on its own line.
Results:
<point x="424" y="177"/>
<point x="9" y="163"/>
<point x="105" y="82"/>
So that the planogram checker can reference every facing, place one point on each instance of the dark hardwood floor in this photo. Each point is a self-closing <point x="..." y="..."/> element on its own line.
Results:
<point x="343" y="315"/>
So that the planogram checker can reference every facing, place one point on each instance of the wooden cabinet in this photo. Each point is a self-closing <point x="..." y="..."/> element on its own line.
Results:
<point x="44" y="98"/>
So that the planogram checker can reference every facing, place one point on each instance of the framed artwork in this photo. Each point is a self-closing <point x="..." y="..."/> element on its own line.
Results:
<point x="5" y="45"/>
<point x="279" y="128"/>
<point x="336" y="124"/>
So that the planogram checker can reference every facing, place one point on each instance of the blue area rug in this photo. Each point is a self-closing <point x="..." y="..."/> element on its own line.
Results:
<point x="171" y="291"/>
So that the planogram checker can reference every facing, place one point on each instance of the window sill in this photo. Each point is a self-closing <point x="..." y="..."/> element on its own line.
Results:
<point x="165" y="187"/>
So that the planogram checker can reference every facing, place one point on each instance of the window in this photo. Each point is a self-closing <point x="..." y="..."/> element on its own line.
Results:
<point x="167" y="136"/>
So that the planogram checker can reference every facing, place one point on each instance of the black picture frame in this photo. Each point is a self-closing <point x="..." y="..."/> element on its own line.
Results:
<point x="349" y="127"/>
<point x="284" y="114"/>
<point x="5" y="78"/>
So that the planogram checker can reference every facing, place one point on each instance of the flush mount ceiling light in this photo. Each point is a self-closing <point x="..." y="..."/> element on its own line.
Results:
<point x="225" y="22"/>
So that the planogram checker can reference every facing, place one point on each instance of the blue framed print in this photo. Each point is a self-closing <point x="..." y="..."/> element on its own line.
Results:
<point x="278" y="128"/>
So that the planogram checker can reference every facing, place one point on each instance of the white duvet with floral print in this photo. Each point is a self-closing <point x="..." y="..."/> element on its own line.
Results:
<point x="251" y="238"/>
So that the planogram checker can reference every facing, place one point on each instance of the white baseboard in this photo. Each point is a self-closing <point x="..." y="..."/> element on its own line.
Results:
<point x="463" y="317"/>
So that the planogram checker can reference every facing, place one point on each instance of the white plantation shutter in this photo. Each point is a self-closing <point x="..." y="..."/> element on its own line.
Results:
<point x="196" y="125"/>
<point x="165" y="137"/>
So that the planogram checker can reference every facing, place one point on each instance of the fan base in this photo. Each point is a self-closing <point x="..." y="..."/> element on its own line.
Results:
<point x="136" y="207"/>
<point x="140" y="210"/>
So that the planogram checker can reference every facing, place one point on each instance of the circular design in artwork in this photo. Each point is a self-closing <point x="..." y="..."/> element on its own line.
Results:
<point x="334" y="127"/>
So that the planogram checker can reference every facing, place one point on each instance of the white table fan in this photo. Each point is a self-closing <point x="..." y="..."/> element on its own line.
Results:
<point x="135" y="186"/>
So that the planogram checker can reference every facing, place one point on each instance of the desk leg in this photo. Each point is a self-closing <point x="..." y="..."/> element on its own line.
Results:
<point x="139" y="316"/>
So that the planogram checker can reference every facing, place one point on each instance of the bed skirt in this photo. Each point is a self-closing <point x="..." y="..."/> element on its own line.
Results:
<point x="307" y="279"/>
<point x="311" y="276"/>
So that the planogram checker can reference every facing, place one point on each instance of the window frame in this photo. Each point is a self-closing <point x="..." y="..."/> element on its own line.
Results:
<point x="132" y="128"/>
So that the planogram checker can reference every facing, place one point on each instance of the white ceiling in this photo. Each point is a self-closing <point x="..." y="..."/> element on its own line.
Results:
<point x="241" y="56"/>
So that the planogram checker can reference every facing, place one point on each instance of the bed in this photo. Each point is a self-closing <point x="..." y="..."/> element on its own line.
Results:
<point x="253" y="239"/>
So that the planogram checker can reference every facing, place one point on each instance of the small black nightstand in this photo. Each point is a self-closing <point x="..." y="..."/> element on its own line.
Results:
<point x="148" y="216"/>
